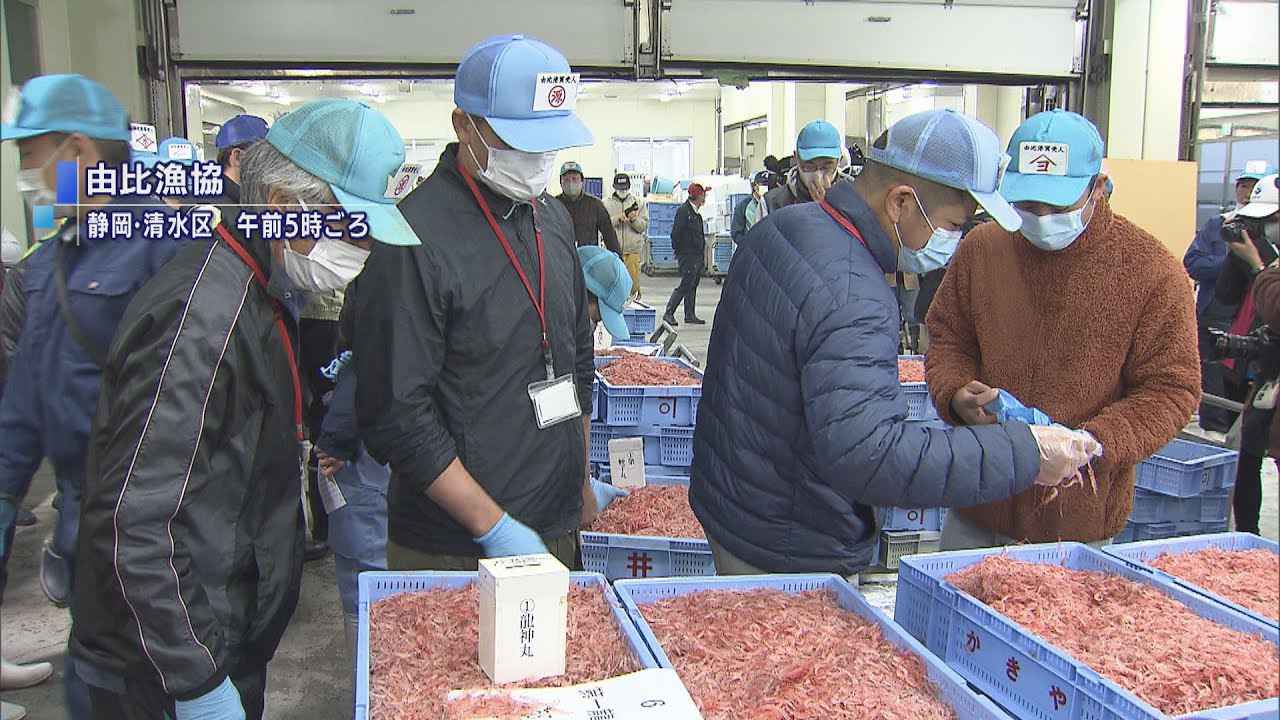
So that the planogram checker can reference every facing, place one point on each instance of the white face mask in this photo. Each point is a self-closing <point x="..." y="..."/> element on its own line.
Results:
<point x="331" y="265"/>
<point x="515" y="174"/>
<point x="572" y="189"/>
<point x="1053" y="233"/>
<point x="33" y="188"/>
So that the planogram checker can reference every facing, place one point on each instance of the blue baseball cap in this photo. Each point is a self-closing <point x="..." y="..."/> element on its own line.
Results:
<point x="65" y="104"/>
<point x="1056" y="155"/>
<point x="954" y="150"/>
<point x="819" y="139"/>
<point x="170" y="150"/>
<point x="240" y="130"/>
<point x="355" y="149"/>
<point x="608" y="280"/>
<point x="525" y="89"/>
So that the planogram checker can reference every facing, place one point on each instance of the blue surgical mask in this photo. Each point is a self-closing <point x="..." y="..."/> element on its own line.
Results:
<point x="1053" y="233"/>
<point x="935" y="254"/>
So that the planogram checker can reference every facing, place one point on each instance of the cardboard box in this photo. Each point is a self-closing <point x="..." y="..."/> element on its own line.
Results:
<point x="524" y="609"/>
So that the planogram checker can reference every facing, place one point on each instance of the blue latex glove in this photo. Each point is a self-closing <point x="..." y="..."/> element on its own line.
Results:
<point x="221" y="703"/>
<point x="605" y="494"/>
<point x="510" y="537"/>
<point x="1006" y="407"/>
<point x="8" y="516"/>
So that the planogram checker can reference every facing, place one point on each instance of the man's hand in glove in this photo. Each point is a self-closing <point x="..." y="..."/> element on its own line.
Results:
<point x="221" y="703"/>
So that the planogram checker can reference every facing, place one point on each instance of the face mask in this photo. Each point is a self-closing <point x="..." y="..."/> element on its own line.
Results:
<point x="331" y="265"/>
<point x="36" y="191"/>
<point x="1053" y="233"/>
<point x="935" y="254"/>
<point x="515" y="174"/>
<point x="572" y="189"/>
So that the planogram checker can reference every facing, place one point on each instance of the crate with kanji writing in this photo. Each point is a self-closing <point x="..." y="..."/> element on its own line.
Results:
<point x="915" y="519"/>
<point x="669" y="446"/>
<point x="650" y="405"/>
<point x="641" y="556"/>
<point x="1187" y="469"/>
<point x="1026" y="675"/>
<point x="951" y="688"/>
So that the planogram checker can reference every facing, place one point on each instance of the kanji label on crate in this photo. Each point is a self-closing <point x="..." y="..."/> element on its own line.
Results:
<point x="524" y="607"/>
<point x="626" y="462"/>
<point x="142" y="137"/>
<point x="655" y="694"/>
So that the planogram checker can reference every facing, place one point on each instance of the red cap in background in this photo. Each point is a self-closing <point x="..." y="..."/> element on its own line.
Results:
<point x="696" y="191"/>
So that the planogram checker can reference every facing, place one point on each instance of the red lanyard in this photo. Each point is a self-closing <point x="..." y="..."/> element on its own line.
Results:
<point x="261" y="278"/>
<point x="843" y="222"/>
<point x="540" y="301"/>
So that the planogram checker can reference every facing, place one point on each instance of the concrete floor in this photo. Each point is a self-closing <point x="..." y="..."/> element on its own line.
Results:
<point x="310" y="678"/>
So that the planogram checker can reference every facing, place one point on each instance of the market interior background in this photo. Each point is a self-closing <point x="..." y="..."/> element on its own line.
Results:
<point x="703" y="87"/>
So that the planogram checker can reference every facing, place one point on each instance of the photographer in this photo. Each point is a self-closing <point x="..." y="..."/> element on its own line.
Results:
<point x="1251" y="238"/>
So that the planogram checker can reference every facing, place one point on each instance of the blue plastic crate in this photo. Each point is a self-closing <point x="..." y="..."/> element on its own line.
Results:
<point x="722" y="256"/>
<point x="951" y="687"/>
<point x="659" y="211"/>
<point x="374" y="586"/>
<point x="667" y="446"/>
<point x="1186" y="469"/>
<point x="593" y="186"/>
<point x="646" y="556"/>
<point x="978" y="642"/>
<point x="918" y="519"/>
<point x="1154" y="531"/>
<point x="641" y="319"/>
<point x="1215" y="507"/>
<point x="1139" y="555"/>
<point x="919" y="404"/>
<point x="655" y="474"/>
<point x="1151" y="507"/>
<point x="656" y="406"/>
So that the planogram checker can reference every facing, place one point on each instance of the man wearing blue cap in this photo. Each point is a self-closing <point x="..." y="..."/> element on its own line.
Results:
<point x="233" y="139"/>
<point x="191" y="546"/>
<point x="474" y="352"/>
<point x="1081" y="314"/>
<point x="76" y="290"/>
<point x="819" y="149"/>
<point x="803" y="425"/>
<point x="608" y="289"/>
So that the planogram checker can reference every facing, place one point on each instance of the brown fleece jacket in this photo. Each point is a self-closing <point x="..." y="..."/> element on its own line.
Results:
<point x="1101" y="336"/>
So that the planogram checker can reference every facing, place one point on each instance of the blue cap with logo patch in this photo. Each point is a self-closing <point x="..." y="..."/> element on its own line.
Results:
<point x="65" y="104"/>
<point x="525" y="89"/>
<point x="1056" y="155"/>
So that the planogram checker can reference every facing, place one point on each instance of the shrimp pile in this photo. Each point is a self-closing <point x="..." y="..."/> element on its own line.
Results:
<point x="616" y="352"/>
<point x="639" y="370"/>
<point x="496" y="708"/>
<point x="769" y="655"/>
<point x="910" y="371"/>
<point x="1249" y="578"/>
<point x="661" y="510"/>
<point x="1131" y="633"/>
<point x="425" y="644"/>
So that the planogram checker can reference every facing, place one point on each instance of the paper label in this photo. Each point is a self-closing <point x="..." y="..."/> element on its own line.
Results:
<point x="556" y="91"/>
<point x="655" y="694"/>
<point x="405" y="180"/>
<point x="142" y="137"/>
<point x="554" y="401"/>
<point x="1255" y="166"/>
<point x="1042" y="158"/>
<point x="626" y="462"/>
<point x="181" y="151"/>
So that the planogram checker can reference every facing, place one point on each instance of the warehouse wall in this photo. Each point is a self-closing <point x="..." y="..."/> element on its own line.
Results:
<point x="748" y="104"/>
<point x="1148" y="45"/>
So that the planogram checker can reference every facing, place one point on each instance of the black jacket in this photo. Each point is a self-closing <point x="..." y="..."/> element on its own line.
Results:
<point x="190" y="550"/>
<point x="12" y="311"/>
<point x="1236" y="277"/>
<point x="793" y="191"/>
<point x="446" y="347"/>
<point x="591" y="222"/>
<point x="688" y="234"/>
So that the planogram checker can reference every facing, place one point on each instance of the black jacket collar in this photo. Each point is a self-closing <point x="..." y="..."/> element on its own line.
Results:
<point x="847" y="202"/>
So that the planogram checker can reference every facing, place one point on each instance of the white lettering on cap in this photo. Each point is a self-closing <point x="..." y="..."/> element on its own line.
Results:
<point x="555" y="91"/>
<point x="1042" y="158"/>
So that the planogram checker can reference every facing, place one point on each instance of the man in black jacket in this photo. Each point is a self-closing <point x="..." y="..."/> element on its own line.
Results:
<point x="190" y="551"/>
<point x="591" y="221"/>
<point x="689" y="241"/>
<point x="474" y="352"/>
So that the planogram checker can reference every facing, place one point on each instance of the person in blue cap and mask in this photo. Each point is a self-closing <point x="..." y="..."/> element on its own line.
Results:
<point x="191" y="543"/>
<point x="233" y="139"/>
<point x="76" y="291"/>
<point x="819" y="149"/>
<point x="608" y="288"/>
<point x="1079" y="314"/>
<point x="808" y="321"/>
<point x="474" y="352"/>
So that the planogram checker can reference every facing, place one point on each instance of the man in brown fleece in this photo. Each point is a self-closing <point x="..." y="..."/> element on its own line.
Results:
<point x="1082" y="314"/>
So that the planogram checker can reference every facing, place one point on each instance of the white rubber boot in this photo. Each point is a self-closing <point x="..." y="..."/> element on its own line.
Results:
<point x="9" y="711"/>
<point x="16" y="677"/>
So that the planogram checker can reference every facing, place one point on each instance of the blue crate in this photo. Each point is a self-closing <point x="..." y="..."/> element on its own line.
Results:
<point x="919" y="404"/>
<point x="655" y="474"/>
<point x="1154" y="531"/>
<point x="914" y="519"/>
<point x="645" y="556"/>
<point x="656" y="406"/>
<point x="722" y="256"/>
<point x="1186" y="469"/>
<point x="1152" y="507"/>
<point x="1215" y="507"/>
<point x="667" y="446"/>
<point x="1139" y="555"/>
<point x="951" y="687"/>
<point x="659" y="211"/>
<point x="374" y="586"/>
<point x="594" y="187"/>
<point x="978" y="642"/>
<point x="641" y="319"/>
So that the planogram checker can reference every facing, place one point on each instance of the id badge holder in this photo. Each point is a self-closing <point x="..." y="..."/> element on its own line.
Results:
<point x="555" y="399"/>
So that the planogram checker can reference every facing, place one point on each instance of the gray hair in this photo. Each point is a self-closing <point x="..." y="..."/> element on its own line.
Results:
<point x="264" y="168"/>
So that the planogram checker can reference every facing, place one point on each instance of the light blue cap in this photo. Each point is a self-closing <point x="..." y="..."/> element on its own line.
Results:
<point x="608" y="280"/>
<point x="819" y="139"/>
<point x="525" y="89"/>
<point x="171" y="150"/>
<point x="355" y="149"/>
<point x="1056" y="155"/>
<point x="954" y="150"/>
<point x="65" y="104"/>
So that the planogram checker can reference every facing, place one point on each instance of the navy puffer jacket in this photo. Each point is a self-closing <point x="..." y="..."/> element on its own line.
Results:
<point x="802" y="426"/>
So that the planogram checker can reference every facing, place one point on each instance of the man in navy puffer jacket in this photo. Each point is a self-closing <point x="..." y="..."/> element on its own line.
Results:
<point x="802" y="427"/>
